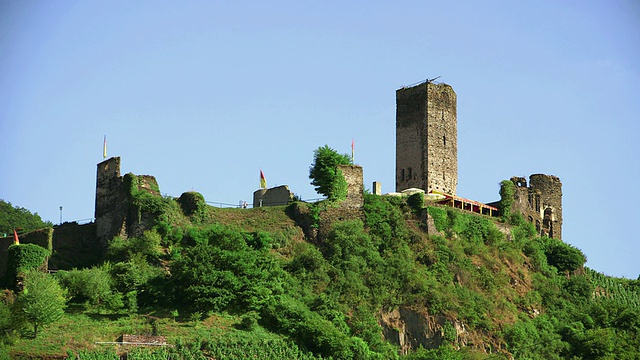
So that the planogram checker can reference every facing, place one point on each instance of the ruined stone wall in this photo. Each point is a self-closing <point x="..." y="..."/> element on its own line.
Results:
<point x="355" y="186"/>
<point x="40" y="237"/>
<point x="75" y="246"/>
<point x="540" y="203"/>
<point x="5" y="242"/>
<point x="351" y="208"/>
<point x="427" y="138"/>
<point x="280" y="195"/>
<point x="111" y="205"/>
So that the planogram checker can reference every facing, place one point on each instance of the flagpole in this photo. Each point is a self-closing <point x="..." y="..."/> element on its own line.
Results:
<point x="353" y="162"/>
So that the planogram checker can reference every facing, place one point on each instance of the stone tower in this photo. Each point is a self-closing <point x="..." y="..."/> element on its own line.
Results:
<point x="427" y="138"/>
<point x="111" y="201"/>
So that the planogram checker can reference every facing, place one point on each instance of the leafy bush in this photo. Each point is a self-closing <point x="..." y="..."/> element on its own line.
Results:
<point x="439" y="216"/>
<point x="416" y="201"/>
<point x="148" y="245"/>
<point x="222" y="272"/>
<point x="563" y="256"/>
<point x="311" y="331"/>
<point x="91" y="285"/>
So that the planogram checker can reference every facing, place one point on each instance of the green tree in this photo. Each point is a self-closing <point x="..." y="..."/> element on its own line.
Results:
<point x="42" y="301"/>
<point x="324" y="174"/>
<point x="16" y="217"/>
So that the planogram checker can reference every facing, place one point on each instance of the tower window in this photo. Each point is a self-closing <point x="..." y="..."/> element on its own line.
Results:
<point x="410" y="173"/>
<point x="402" y="175"/>
<point x="444" y="140"/>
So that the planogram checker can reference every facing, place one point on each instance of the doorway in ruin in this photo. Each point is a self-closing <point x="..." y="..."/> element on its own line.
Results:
<point x="547" y="221"/>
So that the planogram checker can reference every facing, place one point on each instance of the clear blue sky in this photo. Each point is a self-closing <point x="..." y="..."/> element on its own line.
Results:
<point x="202" y="94"/>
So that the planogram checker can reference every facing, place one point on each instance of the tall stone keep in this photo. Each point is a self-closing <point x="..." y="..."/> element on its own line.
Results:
<point x="111" y="201"/>
<point x="427" y="138"/>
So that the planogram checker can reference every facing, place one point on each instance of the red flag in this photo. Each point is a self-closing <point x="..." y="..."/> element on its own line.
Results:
<point x="352" y="151"/>
<point x="263" y="181"/>
<point x="15" y="237"/>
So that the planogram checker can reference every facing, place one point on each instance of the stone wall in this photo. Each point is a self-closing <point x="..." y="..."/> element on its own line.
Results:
<point x="427" y="138"/>
<point x="540" y="203"/>
<point x="5" y="242"/>
<point x="351" y="208"/>
<point x="115" y="216"/>
<point x="72" y="246"/>
<point x="75" y="246"/>
<point x="111" y="205"/>
<point x="280" y="195"/>
<point x="355" y="186"/>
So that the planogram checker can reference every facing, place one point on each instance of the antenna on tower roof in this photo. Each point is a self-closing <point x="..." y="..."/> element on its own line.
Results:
<point x="432" y="80"/>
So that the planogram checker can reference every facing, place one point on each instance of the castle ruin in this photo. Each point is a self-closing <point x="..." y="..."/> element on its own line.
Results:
<point x="540" y="203"/>
<point x="427" y="158"/>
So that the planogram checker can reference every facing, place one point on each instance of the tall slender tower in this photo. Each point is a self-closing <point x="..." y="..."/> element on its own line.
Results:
<point x="427" y="138"/>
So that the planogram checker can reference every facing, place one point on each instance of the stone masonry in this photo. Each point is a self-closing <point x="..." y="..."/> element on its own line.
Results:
<point x="426" y="138"/>
<point x="111" y="201"/>
<point x="351" y="208"/>
<point x="279" y="195"/>
<point x="540" y="203"/>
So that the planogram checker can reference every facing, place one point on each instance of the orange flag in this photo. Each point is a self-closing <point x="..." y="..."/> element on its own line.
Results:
<point x="15" y="237"/>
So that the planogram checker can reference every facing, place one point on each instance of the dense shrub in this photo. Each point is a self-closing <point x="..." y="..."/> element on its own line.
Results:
<point x="507" y="191"/>
<point x="416" y="201"/>
<point x="564" y="257"/>
<point x="22" y="258"/>
<point x="91" y="285"/>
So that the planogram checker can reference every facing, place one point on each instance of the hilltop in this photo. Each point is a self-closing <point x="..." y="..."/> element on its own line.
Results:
<point x="408" y="280"/>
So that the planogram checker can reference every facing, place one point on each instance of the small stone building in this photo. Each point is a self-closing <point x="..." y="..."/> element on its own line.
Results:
<point x="279" y="195"/>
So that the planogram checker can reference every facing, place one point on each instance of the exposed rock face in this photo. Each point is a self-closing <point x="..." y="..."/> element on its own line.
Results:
<point x="410" y="329"/>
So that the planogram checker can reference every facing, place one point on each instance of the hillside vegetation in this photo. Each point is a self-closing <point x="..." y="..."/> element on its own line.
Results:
<point x="248" y="283"/>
